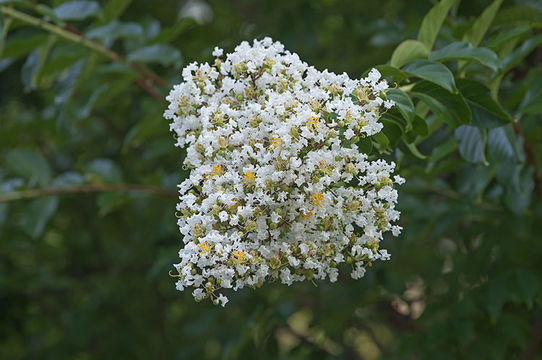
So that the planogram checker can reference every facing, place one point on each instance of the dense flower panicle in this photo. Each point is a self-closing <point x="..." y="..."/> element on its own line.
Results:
<point x="277" y="187"/>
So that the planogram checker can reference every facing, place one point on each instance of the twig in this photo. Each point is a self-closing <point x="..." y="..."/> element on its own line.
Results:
<point x="69" y="33"/>
<point x="34" y="193"/>
<point x="530" y="159"/>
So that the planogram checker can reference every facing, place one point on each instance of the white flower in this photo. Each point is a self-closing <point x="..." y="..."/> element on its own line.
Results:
<point x="217" y="52"/>
<point x="222" y="300"/>
<point x="277" y="187"/>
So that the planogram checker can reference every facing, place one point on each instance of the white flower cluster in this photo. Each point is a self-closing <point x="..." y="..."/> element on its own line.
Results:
<point x="278" y="188"/>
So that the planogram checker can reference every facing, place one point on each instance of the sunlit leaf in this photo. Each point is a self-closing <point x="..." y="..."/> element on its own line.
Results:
<point x="481" y="25"/>
<point x="407" y="51"/>
<point x="431" y="71"/>
<point x="78" y="10"/>
<point x="465" y="51"/>
<point x="432" y="22"/>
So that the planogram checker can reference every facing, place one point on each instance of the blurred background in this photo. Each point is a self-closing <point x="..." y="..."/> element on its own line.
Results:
<point x="84" y="272"/>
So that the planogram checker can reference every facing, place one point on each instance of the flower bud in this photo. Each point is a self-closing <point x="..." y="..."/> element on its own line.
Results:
<point x="222" y="142"/>
<point x="250" y="226"/>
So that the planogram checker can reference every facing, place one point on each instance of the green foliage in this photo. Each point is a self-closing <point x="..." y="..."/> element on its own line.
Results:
<point x="88" y="175"/>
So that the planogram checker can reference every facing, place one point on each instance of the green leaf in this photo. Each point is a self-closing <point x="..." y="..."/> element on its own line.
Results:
<point x="160" y="53"/>
<point x="114" y="8"/>
<point x="414" y="150"/>
<point x="500" y="146"/>
<point x="480" y="27"/>
<point x="520" y="185"/>
<point x="531" y="103"/>
<point x="115" y="30"/>
<point x="392" y="131"/>
<point x="33" y="64"/>
<point x="167" y="35"/>
<point x="464" y="51"/>
<point x="78" y="10"/>
<point x="451" y="108"/>
<point x="109" y="201"/>
<point x="66" y="84"/>
<point x="18" y="46"/>
<point x="528" y="284"/>
<point x="142" y="131"/>
<point x="37" y="214"/>
<point x="431" y="71"/>
<point x="420" y="126"/>
<point x="471" y="144"/>
<point x="441" y="151"/>
<point x="403" y="103"/>
<point x="503" y="39"/>
<point x="62" y="56"/>
<point x="382" y="140"/>
<point x="521" y="14"/>
<point x="28" y="70"/>
<point x="407" y="51"/>
<point x="365" y="145"/>
<point x="486" y="112"/>
<point x="29" y="164"/>
<point x="432" y="22"/>
<point x="520" y="53"/>
<point x="50" y="13"/>
<point x="497" y="295"/>
<point x="389" y="71"/>
<point x="105" y="170"/>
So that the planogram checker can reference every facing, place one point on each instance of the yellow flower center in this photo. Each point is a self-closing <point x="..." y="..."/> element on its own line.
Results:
<point x="239" y="256"/>
<point x="317" y="199"/>
<point x="313" y="123"/>
<point x="307" y="214"/>
<point x="234" y="206"/>
<point x="249" y="176"/>
<point x="276" y="141"/>
<point x="204" y="247"/>
<point x="217" y="170"/>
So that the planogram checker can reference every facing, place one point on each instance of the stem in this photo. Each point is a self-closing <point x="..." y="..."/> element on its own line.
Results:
<point x="75" y="36"/>
<point x="4" y="34"/>
<point x="34" y="193"/>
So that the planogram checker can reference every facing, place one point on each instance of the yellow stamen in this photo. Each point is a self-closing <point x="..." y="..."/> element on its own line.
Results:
<point x="234" y="206"/>
<point x="204" y="247"/>
<point x="313" y="123"/>
<point x="217" y="170"/>
<point x="307" y="214"/>
<point x="239" y="256"/>
<point x="317" y="199"/>
<point x="276" y="141"/>
<point x="249" y="176"/>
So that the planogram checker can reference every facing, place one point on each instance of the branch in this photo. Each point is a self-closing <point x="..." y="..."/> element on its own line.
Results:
<point x="34" y="193"/>
<point x="69" y="33"/>
<point x="530" y="159"/>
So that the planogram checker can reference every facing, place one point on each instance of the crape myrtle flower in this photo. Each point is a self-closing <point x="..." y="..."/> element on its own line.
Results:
<point x="278" y="189"/>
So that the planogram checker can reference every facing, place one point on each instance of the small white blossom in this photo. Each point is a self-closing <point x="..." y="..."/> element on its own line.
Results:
<point x="277" y="187"/>
<point x="217" y="52"/>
